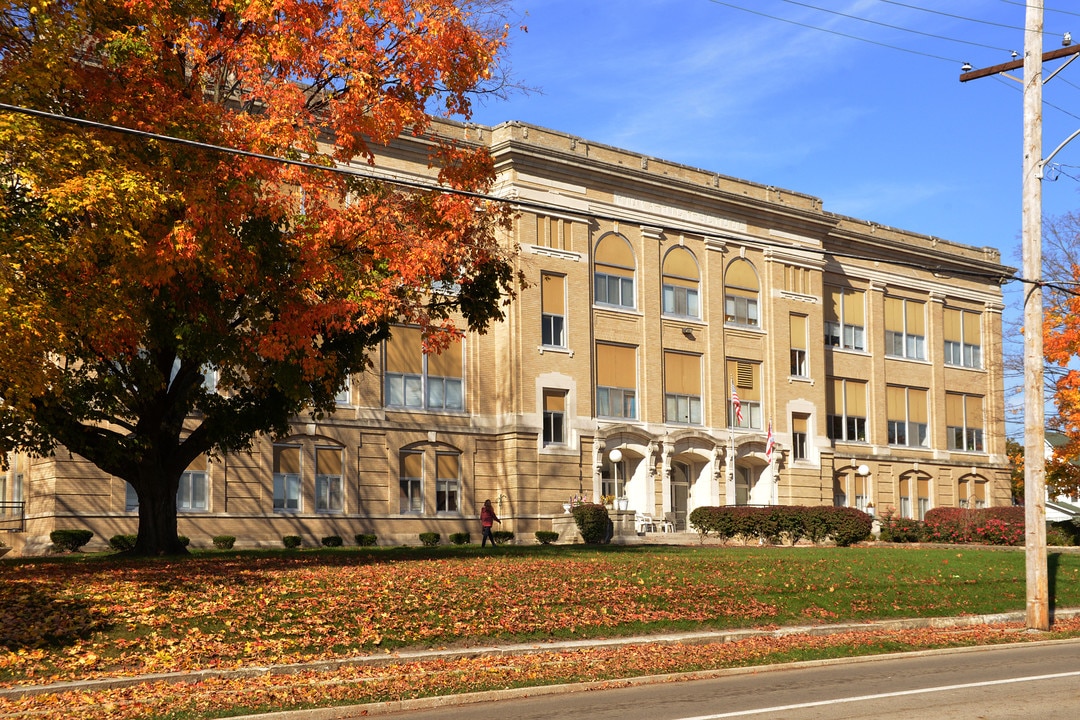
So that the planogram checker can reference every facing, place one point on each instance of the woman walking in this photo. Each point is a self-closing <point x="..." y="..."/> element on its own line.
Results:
<point x="487" y="517"/>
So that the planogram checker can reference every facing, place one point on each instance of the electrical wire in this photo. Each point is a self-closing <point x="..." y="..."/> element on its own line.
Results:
<point x="962" y="17"/>
<point x="1045" y="9"/>
<point x="995" y="277"/>
<point x="896" y="27"/>
<point x="837" y="33"/>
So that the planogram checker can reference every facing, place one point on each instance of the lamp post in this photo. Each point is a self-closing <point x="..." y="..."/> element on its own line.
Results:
<point x="616" y="457"/>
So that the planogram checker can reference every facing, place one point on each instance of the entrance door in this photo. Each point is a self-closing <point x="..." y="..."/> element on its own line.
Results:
<point x="680" y="493"/>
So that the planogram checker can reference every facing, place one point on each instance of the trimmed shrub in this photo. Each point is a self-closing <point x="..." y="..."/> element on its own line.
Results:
<point x="430" y="539"/>
<point x="183" y="540"/>
<point x="790" y="523"/>
<point x="1057" y="536"/>
<point x="817" y="522"/>
<point x="365" y="539"/>
<point x="848" y="526"/>
<point x="546" y="537"/>
<point x="1070" y="529"/>
<point x="949" y="525"/>
<point x="332" y="541"/>
<point x="122" y="543"/>
<point x="291" y="541"/>
<point x="592" y="522"/>
<point x="224" y="542"/>
<point x="899" y="529"/>
<point x="502" y="536"/>
<point x="70" y="540"/>
<point x="460" y="538"/>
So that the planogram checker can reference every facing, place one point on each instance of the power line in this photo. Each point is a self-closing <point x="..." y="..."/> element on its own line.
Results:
<point x="837" y="33"/>
<point x="961" y="17"/>
<point x="1045" y="9"/>
<point x="896" y="27"/>
<point x="515" y="202"/>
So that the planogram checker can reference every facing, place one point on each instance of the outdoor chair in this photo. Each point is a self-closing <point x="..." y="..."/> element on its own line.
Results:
<point x="668" y="523"/>
<point x="644" y="523"/>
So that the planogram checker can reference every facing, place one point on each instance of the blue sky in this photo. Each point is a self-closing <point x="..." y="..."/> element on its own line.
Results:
<point x="882" y="131"/>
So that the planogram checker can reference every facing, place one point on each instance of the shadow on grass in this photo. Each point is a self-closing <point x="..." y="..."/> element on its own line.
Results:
<point x="31" y="617"/>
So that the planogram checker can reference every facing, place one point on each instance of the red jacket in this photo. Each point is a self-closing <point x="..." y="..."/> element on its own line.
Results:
<point x="487" y="516"/>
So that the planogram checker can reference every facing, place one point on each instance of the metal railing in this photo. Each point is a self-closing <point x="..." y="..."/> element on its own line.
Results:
<point x="12" y="516"/>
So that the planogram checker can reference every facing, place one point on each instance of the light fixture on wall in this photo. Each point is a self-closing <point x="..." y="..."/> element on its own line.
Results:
<point x="688" y="332"/>
<point x="863" y="470"/>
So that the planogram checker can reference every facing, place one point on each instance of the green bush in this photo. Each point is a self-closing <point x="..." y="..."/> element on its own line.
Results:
<point x="224" y="542"/>
<point x="592" y="522"/>
<point x="70" y="540"/>
<point x="291" y="541"/>
<point x="546" y="537"/>
<point x="430" y="539"/>
<point x="1057" y="536"/>
<point x="1068" y="528"/>
<point x="332" y="541"/>
<point x="183" y="540"/>
<point x="460" y="538"/>
<point x="502" y="536"/>
<point x="848" y="526"/>
<point x="817" y="522"/>
<point x="365" y="539"/>
<point x="121" y="543"/>
<point x="899" y="529"/>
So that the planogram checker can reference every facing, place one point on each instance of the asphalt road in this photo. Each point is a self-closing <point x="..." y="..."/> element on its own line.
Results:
<point x="1021" y="681"/>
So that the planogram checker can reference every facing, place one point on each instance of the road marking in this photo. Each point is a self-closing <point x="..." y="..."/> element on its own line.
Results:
<point x="879" y="696"/>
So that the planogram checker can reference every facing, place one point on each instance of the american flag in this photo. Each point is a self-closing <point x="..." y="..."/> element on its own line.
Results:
<point x="736" y="404"/>
<point x="769" y="443"/>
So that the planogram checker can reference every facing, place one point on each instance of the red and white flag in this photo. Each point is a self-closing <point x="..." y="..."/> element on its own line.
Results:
<point x="736" y="404"/>
<point x="769" y="442"/>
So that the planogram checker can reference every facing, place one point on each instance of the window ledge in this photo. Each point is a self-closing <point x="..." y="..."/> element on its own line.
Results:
<point x="684" y="319"/>
<point x="756" y="329"/>
<point x="621" y="309"/>
<point x="901" y="358"/>
<point x="800" y="379"/>
<point x="554" y="349"/>
<point x="848" y="351"/>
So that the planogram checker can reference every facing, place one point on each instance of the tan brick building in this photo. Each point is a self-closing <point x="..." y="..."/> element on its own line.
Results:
<point x="657" y="292"/>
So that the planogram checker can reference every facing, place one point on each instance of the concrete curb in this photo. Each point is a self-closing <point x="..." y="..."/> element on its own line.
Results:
<point x="688" y="638"/>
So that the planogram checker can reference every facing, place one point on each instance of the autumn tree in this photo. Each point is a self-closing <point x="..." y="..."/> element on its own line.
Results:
<point x="134" y="269"/>
<point x="1061" y="339"/>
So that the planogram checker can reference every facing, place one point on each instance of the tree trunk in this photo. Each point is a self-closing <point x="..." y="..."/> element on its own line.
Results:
<point x="157" y="517"/>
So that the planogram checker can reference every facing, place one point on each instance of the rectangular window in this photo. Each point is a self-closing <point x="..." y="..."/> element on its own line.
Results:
<point x="411" y="483"/>
<point x="747" y="381"/>
<point x="682" y="388"/>
<point x="799" y="436"/>
<point x="906" y="413"/>
<point x="963" y="493"/>
<point x="614" y="286"/>
<point x="860" y="492"/>
<point x="554" y="417"/>
<point x="420" y="381"/>
<point x="681" y="301"/>
<point x="923" y="487"/>
<point x="191" y="494"/>
<point x="963" y="338"/>
<point x="980" y="493"/>
<point x="344" y="395"/>
<point x="797" y="326"/>
<point x="845" y="403"/>
<point x="329" y="488"/>
<point x="447" y="482"/>
<point x="964" y="422"/>
<point x="845" y="324"/>
<point x="905" y="328"/>
<point x="741" y="309"/>
<point x="553" y="310"/>
<point x="287" y="478"/>
<point x="905" y="498"/>
<point x="616" y="381"/>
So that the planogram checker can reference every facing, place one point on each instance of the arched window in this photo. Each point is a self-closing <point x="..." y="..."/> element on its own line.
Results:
<point x="613" y="274"/>
<point x="681" y="280"/>
<point x="741" y="294"/>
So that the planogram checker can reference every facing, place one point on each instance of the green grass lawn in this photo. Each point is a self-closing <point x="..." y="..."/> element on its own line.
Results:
<point x="93" y="616"/>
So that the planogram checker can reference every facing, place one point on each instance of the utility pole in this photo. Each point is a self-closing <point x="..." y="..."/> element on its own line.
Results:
<point x="1038" y="599"/>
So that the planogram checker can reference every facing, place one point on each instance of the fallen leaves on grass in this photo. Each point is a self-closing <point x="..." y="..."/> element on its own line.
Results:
<point x="367" y="684"/>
